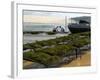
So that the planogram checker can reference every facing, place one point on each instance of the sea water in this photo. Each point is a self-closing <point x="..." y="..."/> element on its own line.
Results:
<point x="29" y="38"/>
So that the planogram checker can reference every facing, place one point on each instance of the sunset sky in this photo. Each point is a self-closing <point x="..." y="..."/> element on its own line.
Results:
<point x="44" y="19"/>
<point x="48" y="17"/>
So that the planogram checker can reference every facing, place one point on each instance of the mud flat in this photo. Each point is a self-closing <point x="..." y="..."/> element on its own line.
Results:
<point x="28" y="38"/>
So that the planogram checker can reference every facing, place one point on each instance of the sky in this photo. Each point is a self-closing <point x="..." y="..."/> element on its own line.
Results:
<point x="43" y="17"/>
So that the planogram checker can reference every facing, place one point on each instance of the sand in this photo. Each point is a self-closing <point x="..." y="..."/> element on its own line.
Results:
<point x="84" y="61"/>
<point x="26" y="63"/>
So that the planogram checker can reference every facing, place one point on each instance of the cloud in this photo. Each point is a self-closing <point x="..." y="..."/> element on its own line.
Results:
<point x="44" y="19"/>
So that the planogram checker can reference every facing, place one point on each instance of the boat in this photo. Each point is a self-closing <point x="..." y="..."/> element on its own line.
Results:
<point x="82" y="25"/>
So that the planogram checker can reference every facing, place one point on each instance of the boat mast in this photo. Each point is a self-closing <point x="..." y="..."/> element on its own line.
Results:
<point x="66" y="25"/>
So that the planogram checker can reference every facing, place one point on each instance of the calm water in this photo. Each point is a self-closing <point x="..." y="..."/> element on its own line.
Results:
<point x="41" y="27"/>
<point x="38" y="28"/>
